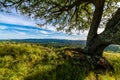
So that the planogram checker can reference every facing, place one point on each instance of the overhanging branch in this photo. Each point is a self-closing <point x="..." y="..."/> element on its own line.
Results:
<point x="112" y="32"/>
<point x="68" y="7"/>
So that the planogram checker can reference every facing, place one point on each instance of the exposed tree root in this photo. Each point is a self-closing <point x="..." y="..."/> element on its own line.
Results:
<point x="97" y="63"/>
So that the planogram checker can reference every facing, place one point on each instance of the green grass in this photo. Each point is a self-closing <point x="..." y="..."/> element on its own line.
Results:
<point x="24" y="61"/>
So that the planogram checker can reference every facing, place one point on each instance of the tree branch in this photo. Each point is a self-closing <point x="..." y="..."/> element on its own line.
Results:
<point x="69" y="7"/>
<point x="111" y="35"/>
<point x="114" y="20"/>
<point x="112" y="32"/>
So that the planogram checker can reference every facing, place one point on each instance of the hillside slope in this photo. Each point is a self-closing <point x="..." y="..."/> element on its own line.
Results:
<point x="24" y="61"/>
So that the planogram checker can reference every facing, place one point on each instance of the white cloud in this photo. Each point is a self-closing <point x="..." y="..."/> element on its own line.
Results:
<point x="18" y="19"/>
<point x="3" y="27"/>
<point x="20" y="33"/>
<point x="44" y="32"/>
<point x="33" y="33"/>
<point x="49" y="27"/>
<point x="118" y="4"/>
<point x="100" y="30"/>
<point x="15" y="19"/>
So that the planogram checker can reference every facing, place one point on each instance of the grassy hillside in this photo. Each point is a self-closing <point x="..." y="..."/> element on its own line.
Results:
<point x="24" y="61"/>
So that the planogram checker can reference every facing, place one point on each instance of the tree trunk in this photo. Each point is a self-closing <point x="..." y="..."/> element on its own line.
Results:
<point x="99" y="5"/>
<point x="111" y="35"/>
<point x="96" y="48"/>
<point x="94" y="45"/>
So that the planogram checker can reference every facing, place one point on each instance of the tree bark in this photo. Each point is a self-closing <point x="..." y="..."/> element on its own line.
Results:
<point x="96" y="48"/>
<point x="111" y="35"/>
<point x="99" y="5"/>
<point x="94" y="44"/>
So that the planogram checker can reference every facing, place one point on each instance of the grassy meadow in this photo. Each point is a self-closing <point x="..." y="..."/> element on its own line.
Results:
<point x="27" y="61"/>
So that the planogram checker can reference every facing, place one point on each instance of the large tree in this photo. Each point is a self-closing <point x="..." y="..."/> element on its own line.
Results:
<point x="76" y="15"/>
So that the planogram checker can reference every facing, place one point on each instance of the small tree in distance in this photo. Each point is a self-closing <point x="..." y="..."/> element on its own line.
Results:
<point x="76" y="15"/>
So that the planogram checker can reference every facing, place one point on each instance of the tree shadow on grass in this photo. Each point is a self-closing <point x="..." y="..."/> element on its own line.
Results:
<point x="73" y="68"/>
<point x="64" y="71"/>
<point x="69" y="70"/>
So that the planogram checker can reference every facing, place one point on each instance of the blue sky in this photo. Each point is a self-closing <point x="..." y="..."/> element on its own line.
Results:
<point x="16" y="26"/>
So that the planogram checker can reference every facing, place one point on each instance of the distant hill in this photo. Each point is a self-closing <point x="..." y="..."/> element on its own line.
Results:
<point x="113" y="48"/>
<point x="58" y="43"/>
<point x="62" y="41"/>
<point x="53" y="42"/>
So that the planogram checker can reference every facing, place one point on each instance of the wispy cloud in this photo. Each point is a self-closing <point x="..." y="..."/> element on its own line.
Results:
<point x="44" y="32"/>
<point x="14" y="34"/>
<point x="3" y="27"/>
<point x="16" y="19"/>
<point x="20" y="33"/>
<point x="14" y="26"/>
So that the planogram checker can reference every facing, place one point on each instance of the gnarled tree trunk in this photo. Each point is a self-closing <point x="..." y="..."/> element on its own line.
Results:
<point x="96" y="43"/>
<point x="96" y="48"/>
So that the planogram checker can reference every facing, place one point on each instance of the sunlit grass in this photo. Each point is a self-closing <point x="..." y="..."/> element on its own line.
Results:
<point x="24" y="61"/>
<point x="114" y="60"/>
<point x="18" y="61"/>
